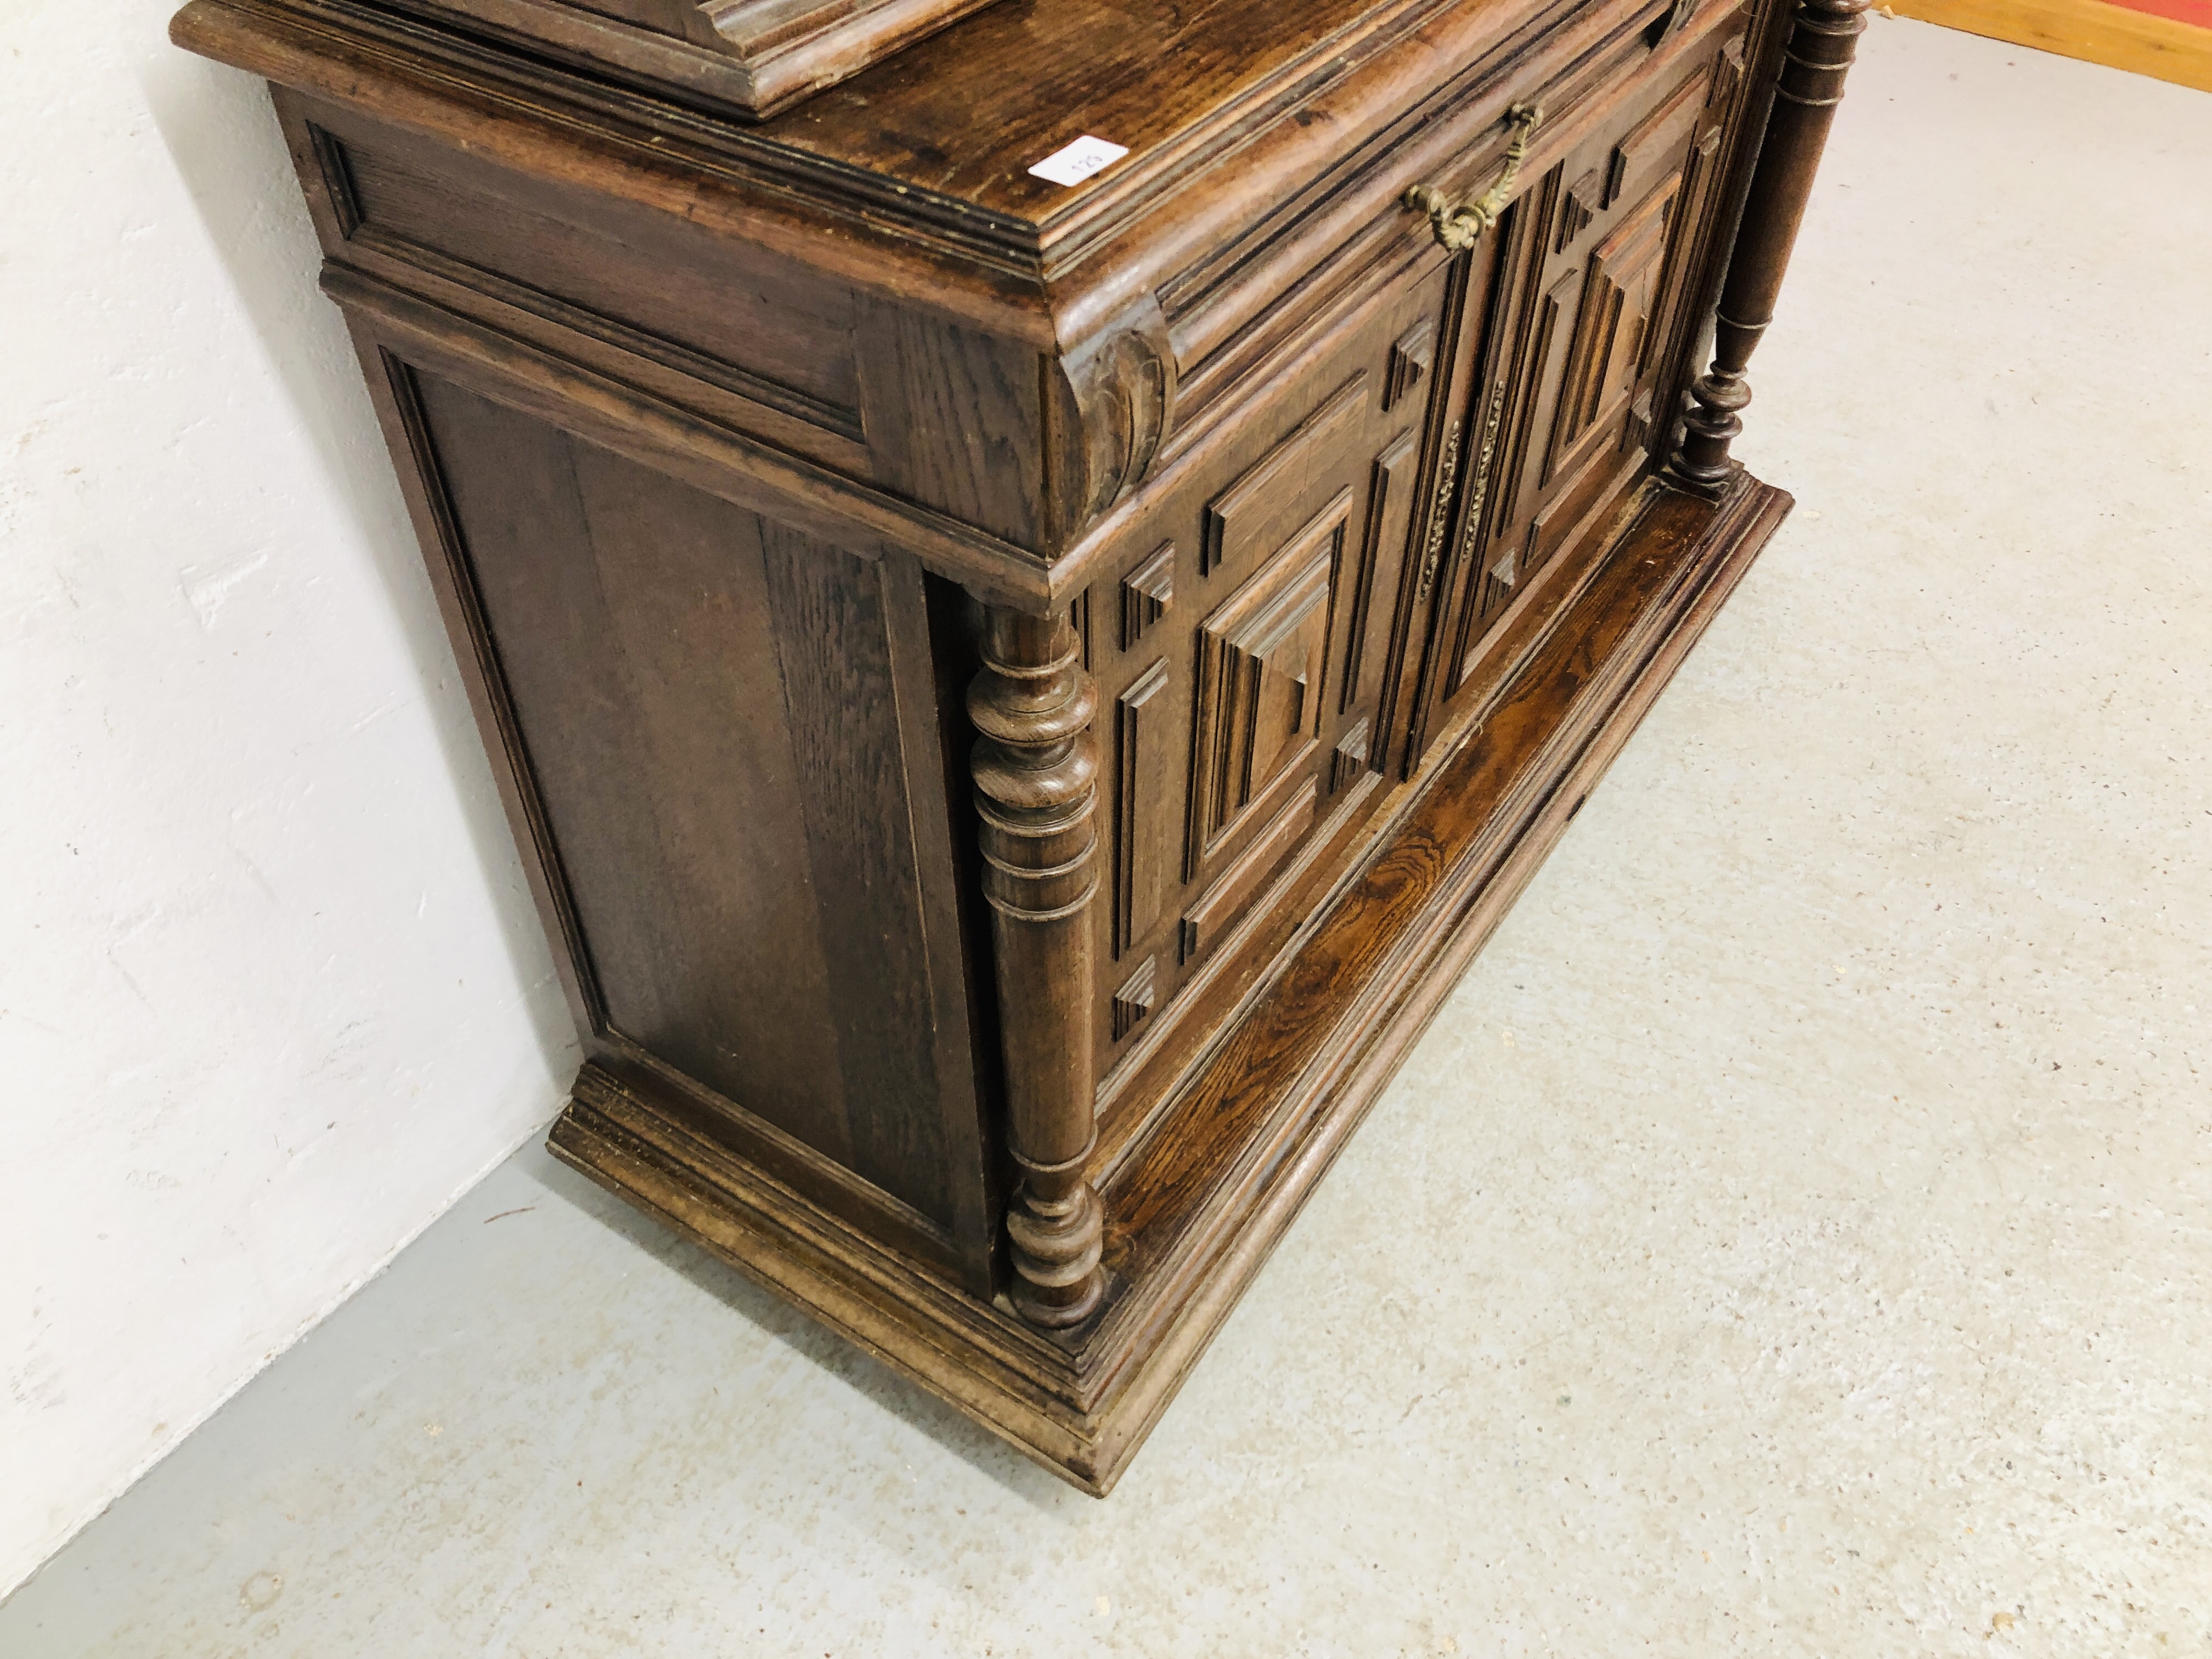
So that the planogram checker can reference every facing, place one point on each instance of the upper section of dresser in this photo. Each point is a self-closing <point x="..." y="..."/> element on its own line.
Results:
<point x="1243" y="110"/>
<point x="823" y="280"/>
<point x="746" y="58"/>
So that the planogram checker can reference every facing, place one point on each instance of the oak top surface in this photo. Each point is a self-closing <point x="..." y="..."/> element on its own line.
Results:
<point x="966" y="112"/>
<point x="1229" y="110"/>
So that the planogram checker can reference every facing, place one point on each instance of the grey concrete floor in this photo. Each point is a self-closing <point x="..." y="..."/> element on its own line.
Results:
<point x="1795" y="1236"/>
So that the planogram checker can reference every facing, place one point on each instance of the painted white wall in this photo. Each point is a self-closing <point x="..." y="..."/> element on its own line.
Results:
<point x="272" y="990"/>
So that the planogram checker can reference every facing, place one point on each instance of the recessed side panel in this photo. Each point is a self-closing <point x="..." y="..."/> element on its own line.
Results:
<point x="742" y="319"/>
<point x="721" y="723"/>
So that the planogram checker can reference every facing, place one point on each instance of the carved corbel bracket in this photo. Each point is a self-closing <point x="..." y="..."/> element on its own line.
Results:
<point x="1115" y="405"/>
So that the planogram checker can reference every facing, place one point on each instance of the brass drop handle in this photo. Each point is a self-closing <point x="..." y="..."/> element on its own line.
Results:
<point x="1461" y="228"/>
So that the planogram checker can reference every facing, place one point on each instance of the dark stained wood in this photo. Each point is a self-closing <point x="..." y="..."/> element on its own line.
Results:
<point x="1230" y="895"/>
<point x="1148" y="756"/>
<point x="1348" y="762"/>
<point x="1398" y="90"/>
<point x="1579" y="331"/>
<point x="1472" y="834"/>
<point x="865" y="767"/>
<point x="950" y="412"/>
<point x="678" y="667"/>
<point x="1305" y="558"/>
<point x="563" y="629"/>
<point x="759" y="323"/>
<point x="1016" y="699"/>
<point x="1147" y="595"/>
<point x="1135" y="998"/>
<point x="1371" y="121"/>
<point x="1823" y="41"/>
<point x="1155" y="1196"/>
<point x="1393" y="497"/>
<point x="617" y="416"/>
<point x="1263" y="662"/>
<point x="1036" y="799"/>
<point x="1413" y="354"/>
<point x="749" y="58"/>
<point x="1253" y="509"/>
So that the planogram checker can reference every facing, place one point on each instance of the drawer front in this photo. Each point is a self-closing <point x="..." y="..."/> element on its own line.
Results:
<point x="751" y="339"/>
<point x="543" y="259"/>
<point x="1583" y="335"/>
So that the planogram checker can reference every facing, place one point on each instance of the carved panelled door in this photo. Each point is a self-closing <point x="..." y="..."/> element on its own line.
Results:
<point x="1243" y="658"/>
<point x="1583" y="334"/>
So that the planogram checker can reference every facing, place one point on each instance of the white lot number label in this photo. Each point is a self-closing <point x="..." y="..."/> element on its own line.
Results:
<point x="1073" y="163"/>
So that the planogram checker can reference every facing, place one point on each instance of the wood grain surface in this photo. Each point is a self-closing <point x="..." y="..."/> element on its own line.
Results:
<point x="2143" y="40"/>
<point x="1016" y="699"/>
<point x="1197" y="1208"/>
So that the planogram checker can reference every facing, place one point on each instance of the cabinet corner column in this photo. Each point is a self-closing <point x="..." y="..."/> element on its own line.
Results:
<point x="1823" y="39"/>
<point x="1035" y="766"/>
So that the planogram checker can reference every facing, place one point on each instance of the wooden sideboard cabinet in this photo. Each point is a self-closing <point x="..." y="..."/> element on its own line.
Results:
<point x="1018" y="698"/>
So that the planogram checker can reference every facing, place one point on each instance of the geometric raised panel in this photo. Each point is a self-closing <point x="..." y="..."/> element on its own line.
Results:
<point x="1411" y="358"/>
<point x="1349" y="763"/>
<point x="1145" y="820"/>
<point x="1249" y="512"/>
<point x="1584" y="198"/>
<point x="1147" y="593"/>
<point x="1545" y="343"/>
<point x="1389" y="526"/>
<point x="1655" y="142"/>
<point x="1137" y="997"/>
<point x="729" y="735"/>
<point x="1229" y="896"/>
<point x="1600" y="314"/>
<point x="1262" y="663"/>
<point x="1729" y="75"/>
<point x="1638" y="435"/>
<point x="1621" y="290"/>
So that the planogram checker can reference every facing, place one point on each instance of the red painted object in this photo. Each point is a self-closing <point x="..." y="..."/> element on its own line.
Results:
<point x="2196" y="12"/>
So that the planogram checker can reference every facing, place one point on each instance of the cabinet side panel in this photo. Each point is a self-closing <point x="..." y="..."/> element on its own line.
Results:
<point x="841" y="707"/>
<point x="711" y="723"/>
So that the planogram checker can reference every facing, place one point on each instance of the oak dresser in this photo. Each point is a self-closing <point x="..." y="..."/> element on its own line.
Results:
<point x="1037" y="575"/>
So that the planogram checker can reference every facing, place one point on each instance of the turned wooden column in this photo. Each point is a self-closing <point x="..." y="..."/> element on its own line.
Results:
<point x="1035" y="766"/>
<point x="1823" y="39"/>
